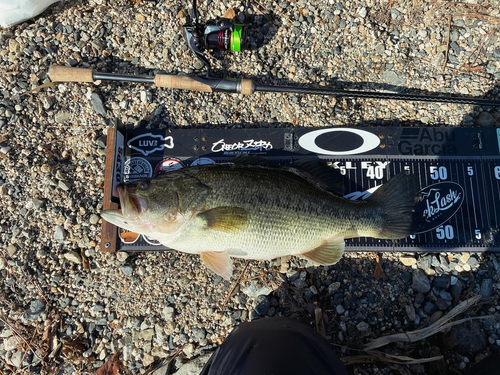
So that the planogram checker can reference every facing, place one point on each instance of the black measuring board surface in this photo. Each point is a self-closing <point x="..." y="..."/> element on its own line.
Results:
<point x="457" y="170"/>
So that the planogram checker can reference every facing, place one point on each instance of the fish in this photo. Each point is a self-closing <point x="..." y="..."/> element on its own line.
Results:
<point x="250" y="211"/>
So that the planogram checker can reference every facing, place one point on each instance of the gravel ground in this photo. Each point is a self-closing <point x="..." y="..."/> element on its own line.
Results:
<point x="66" y="307"/>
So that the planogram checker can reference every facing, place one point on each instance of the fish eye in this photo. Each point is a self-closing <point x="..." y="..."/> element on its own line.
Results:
<point x="143" y="185"/>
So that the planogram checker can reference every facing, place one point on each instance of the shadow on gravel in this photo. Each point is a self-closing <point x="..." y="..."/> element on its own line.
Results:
<point x="355" y="308"/>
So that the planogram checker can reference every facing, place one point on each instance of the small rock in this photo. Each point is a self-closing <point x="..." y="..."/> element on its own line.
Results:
<point x="430" y="308"/>
<point x="362" y="326"/>
<point x="147" y="359"/>
<point x="198" y="334"/>
<point x="445" y="295"/>
<point x="424" y="263"/>
<point x="362" y="12"/>
<point x="410" y="312"/>
<point x="456" y="290"/>
<point x="101" y="141"/>
<point x="442" y="282"/>
<point x="392" y="78"/>
<point x="139" y="17"/>
<point x="5" y="149"/>
<point x="419" y="299"/>
<point x="464" y="258"/>
<point x="188" y="350"/>
<point x="146" y="335"/>
<point x="16" y="359"/>
<point x="168" y="313"/>
<point x="62" y="116"/>
<point x="486" y="120"/>
<point x="408" y="261"/>
<point x="94" y="219"/>
<point x="97" y="104"/>
<point x="127" y="270"/>
<point x="486" y="288"/>
<point x="64" y="185"/>
<point x="37" y="204"/>
<point x="11" y="343"/>
<point x="73" y="256"/>
<point x="122" y="256"/>
<point x="443" y="304"/>
<point x="11" y="250"/>
<point x="261" y="305"/>
<point x="420" y="282"/>
<point x="340" y="309"/>
<point x="333" y="287"/>
<point x="59" y="234"/>
<point x="406" y="276"/>
<point x="453" y="280"/>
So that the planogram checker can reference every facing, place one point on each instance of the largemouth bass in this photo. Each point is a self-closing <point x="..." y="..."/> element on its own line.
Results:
<point x="258" y="212"/>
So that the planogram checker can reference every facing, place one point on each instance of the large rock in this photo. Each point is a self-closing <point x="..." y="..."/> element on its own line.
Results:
<point x="466" y="339"/>
<point x="420" y="283"/>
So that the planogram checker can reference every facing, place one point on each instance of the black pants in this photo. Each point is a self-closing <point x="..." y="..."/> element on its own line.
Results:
<point x="274" y="346"/>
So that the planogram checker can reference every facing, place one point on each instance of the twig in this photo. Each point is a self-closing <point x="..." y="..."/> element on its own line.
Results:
<point x="467" y="4"/>
<point x="477" y="15"/>
<point x="388" y="358"/>
<point x="235" y="284"/>
<point x="13" y="329"/>
<point x="447" y="44"/>
<point x="254" y="277"/>
<point x="438" y="326"/>
<point x="26" y="352"/>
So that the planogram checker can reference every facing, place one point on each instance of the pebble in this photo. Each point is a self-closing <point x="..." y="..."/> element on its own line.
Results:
<point x="97" y="104"/>
<point x="420" y="282"/>
<point x="340" y="309"/>
<point x="5" y="149"/>
<point x="121" y="256"/>
<point x="59" y="234"/>
<point x="61" y="117"/>
<point x="456" y="290"/>
<point x="127" y="270"/>
<point x="442" y="282"/>
<point x="362" y="326"/>
<point x="408" y="261"/>
<point x="94" y="219"/>
<point x="430" y="308"/>
<point x="485" y="120"/>
<point x="73" y="256"/>
<point x="261" y="305"/>
<point x="486" y="288"/>
<point x="392" y="78"/>
<point x="410" y="312"/>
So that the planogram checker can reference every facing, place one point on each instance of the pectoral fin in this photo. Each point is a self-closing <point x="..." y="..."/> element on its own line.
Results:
<point x="226" y="219"/>
<point x="328" y="253"/>
<point x="219" y="262"/>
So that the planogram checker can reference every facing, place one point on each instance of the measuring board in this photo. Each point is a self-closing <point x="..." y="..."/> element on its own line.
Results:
<point x="457" y="169"/>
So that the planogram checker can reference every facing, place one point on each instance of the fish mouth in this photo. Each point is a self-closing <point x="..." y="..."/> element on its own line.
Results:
<point x="132" y="205"/>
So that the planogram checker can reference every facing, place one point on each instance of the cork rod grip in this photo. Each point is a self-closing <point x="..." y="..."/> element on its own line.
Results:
<point x="180" y="82"/>
<point x="65" y="74"/>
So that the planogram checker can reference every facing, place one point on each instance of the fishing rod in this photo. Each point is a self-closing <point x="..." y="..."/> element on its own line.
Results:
<point x="224" y="35"/>
<point x="245" y="86"/>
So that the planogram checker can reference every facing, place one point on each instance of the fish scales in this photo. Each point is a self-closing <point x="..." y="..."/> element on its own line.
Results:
<point x="258" y="212"/>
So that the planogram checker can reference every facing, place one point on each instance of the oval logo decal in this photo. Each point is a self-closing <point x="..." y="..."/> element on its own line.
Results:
<point x="439" y="202"/>
<point x="369" y="141"/>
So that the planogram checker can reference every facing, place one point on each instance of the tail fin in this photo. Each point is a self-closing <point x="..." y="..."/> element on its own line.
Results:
<point x="395" y="200"/>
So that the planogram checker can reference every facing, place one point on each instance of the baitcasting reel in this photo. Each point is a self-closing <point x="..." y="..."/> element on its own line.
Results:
<point x="221" y="34"/>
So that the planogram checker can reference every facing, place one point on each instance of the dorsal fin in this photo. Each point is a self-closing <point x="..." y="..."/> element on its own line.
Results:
<point x="318" y="172"/>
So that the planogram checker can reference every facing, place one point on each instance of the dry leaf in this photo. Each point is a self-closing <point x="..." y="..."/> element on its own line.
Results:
<point x="112" y="367"/>
<point x="320" y="324"/>
<point x="379" y="272"/>
<point x="230" y="14"/>
<point x="85" y="260"/>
